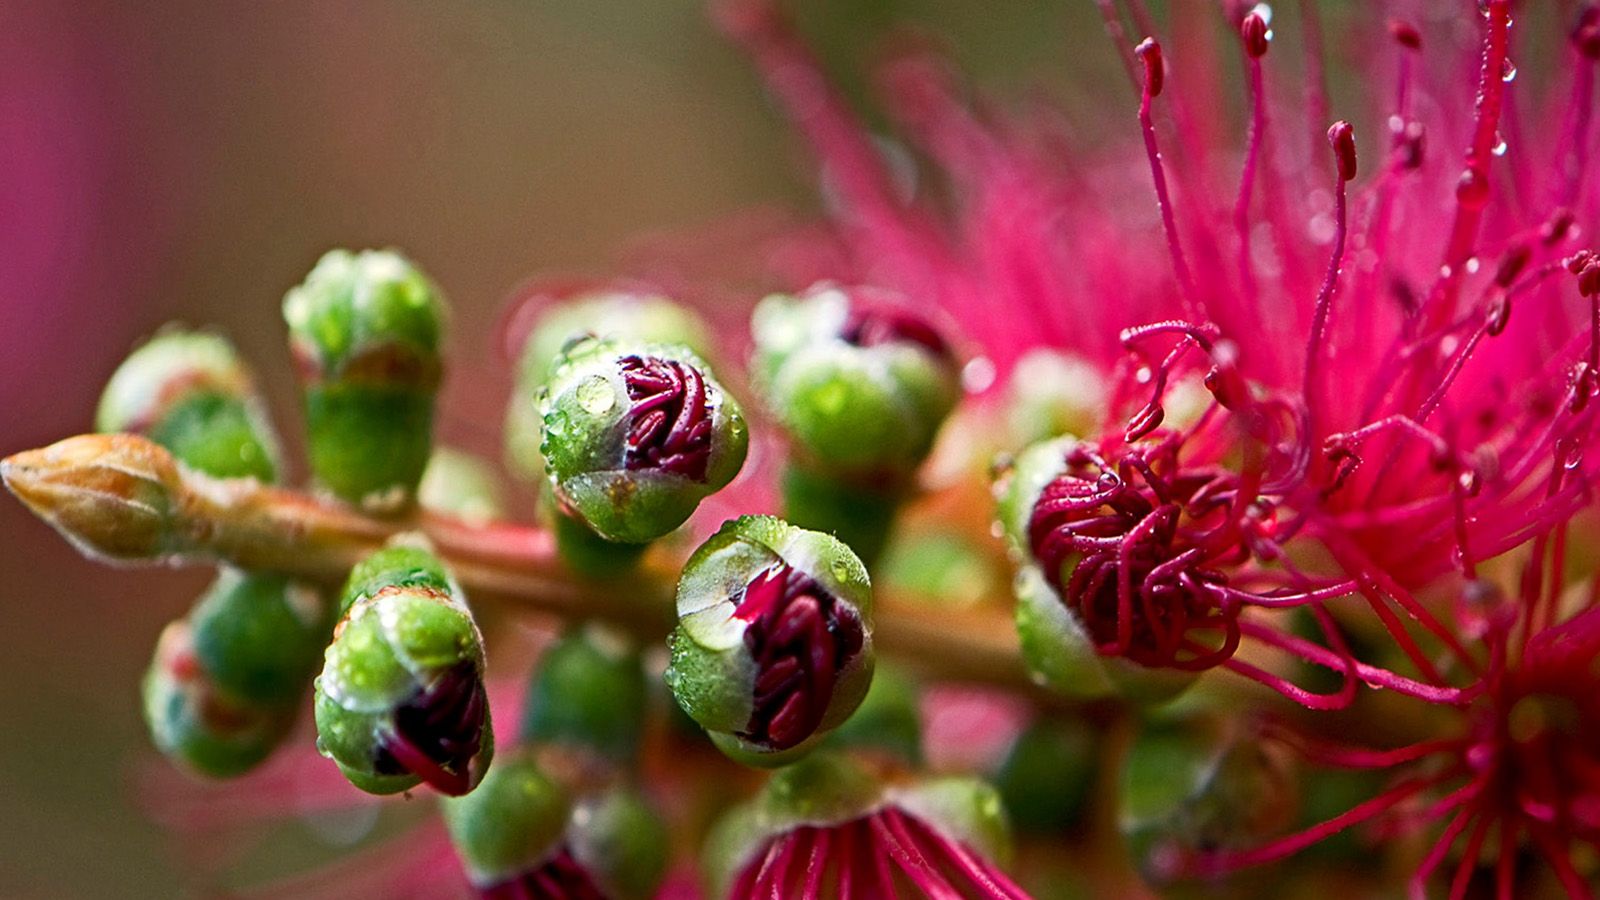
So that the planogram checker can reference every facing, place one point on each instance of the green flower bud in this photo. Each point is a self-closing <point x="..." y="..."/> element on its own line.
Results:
<point x="401" y="698"/>
<point x="1048" y="774"/>
<point x="261" y="636"/>
<point x="586" y="553"/>
<point x="189" y="392"/>
<point x="636" y="316"/>
<point x="514" y="821"/>
<point x="1186" y="791"/>
<point x="636" y="435"/>
<point x="194" y="723"/>
<point x="860" y="384"/>
<point x="461" y="485"/>
<point x="1052" y="393"/>
<point x="889" y="719"/>
<point x="773" y="647"/>
<point x="588" y="691"/>
<point x="621" y="842"/>
<point x="365" y="329"/>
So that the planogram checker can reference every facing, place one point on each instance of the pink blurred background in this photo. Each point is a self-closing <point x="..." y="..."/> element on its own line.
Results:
<point x="189" y="161"/>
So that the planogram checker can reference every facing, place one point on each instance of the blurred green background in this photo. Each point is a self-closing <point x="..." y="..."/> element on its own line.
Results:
<point x="189" y="160"/>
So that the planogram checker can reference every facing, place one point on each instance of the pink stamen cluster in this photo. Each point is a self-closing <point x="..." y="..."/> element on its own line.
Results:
<point x="669" y="423"/>
<point x="438" y="732"/>
<point x="800" y="637"/>
<point x="887" y="854"/>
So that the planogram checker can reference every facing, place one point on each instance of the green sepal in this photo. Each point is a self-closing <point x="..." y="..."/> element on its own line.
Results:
<point x="860" y="410"/>
<point x="588" y="691"/>
<point x="515" y="818"/>
<point x="189" y="392"/>
<point x="585" y="411"/>
<point x="260" y="636"/>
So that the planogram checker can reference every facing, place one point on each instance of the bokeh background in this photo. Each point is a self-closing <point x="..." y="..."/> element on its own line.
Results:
<point x="189" y="160"/>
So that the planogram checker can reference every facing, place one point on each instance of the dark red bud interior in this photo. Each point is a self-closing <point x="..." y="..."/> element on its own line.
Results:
<point x="669" y="424"/>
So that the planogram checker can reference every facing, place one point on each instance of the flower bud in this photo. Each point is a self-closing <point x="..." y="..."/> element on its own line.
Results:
<point x="512" y="824"/>
<point x="459" y="484"/>
<point x="401" y="698"/>
<point x="1047" y="775"/>
<point x="114" y="496"/>
<point x="773" y="647"/>
<point x="1185" y="791"/>
<point x="1055" y="644"/>
<point x="521" y="834"/>
<point x="193" y="722"/>
<point x="860" y="383"/>
<point x="261" y="636"/>
<point x="636" y="435"/>
<point x="1051" y="393"/>
<point x="588" y="691"/>
<point x="848" y="826"/>
<point x="889" y="720"/>
<point x="636" y="316"/>
<point x="189" y="392"/>
<point x="365" y="331"/>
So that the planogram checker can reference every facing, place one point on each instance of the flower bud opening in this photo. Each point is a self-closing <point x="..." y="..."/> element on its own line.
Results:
<point x="438" y="732"/>
<point x="800" y="637"/>
<point x="669" y="424"/>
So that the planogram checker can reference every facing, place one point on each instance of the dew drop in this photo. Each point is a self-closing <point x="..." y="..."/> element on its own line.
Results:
<point x="596" y="396"/>
<point x="1499" y="148"/>
<point x="1508" y="71"/>
<point x="1473" y="265"/>
<point x="1144" y="375"/>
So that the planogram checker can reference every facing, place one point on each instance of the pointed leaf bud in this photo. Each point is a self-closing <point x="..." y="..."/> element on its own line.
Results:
<point x="190" y="392"/>
<point x="114" y="496"/>
<point x="588" y="692"/>
<point x="636" y="435"/>
<point x="773" y="647"/>
<point x="401" y="698"/>
<point x="860" y="382"/>
<point x="625" y="313"/>
<point x="365" y="330"/>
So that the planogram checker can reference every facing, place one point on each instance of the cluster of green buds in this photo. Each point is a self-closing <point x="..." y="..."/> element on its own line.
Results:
<point x="773" y="647"/>
<point x="365" y="330"/>
<point x="561" y="815"/>
<point x="565" y="316"/>
<point x="861" y="384"/>
<point x="401" y="698"/>
<point x="227" y="681"/>
<point x="636" y="435"/>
